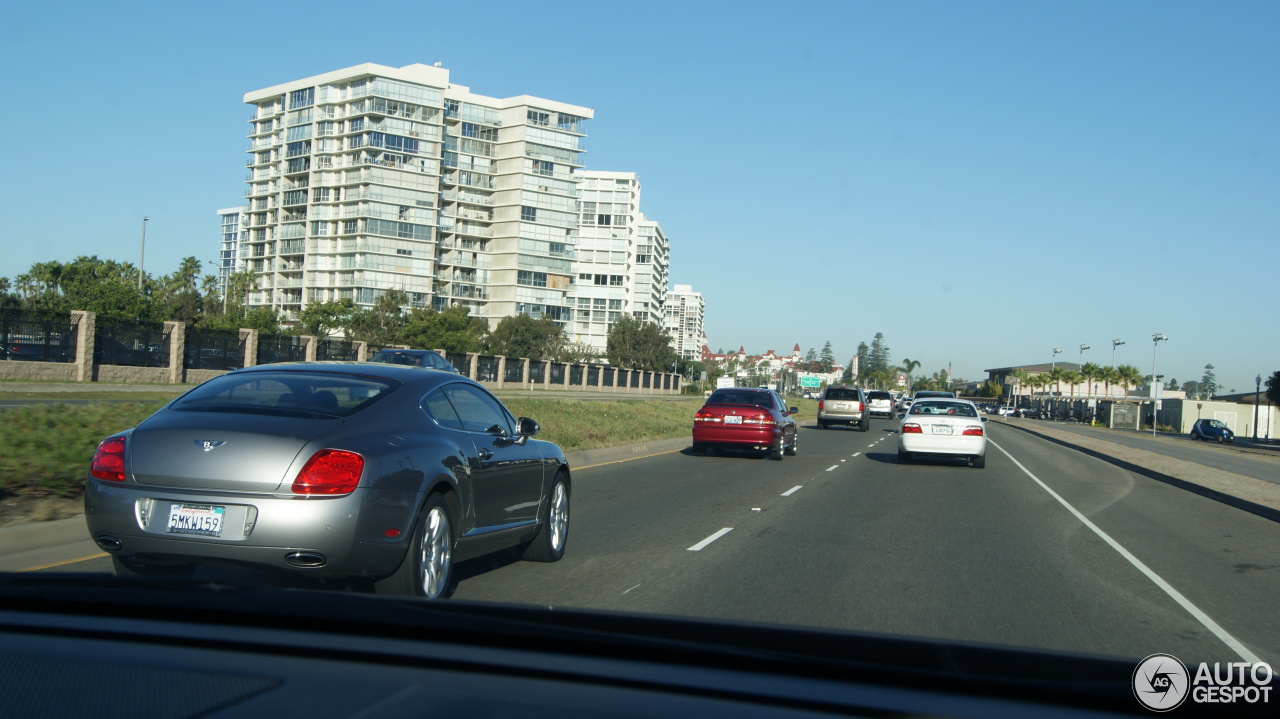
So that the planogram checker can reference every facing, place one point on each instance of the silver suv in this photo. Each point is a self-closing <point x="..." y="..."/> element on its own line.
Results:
<point x="880" y="404"/>
<point x="843" y="405"/>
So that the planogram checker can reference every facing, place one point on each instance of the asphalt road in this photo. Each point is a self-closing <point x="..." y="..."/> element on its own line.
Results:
<point x="844" y="537"/>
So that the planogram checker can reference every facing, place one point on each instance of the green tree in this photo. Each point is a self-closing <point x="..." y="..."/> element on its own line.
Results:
<point x="451" y="330"/>
<point x="635" y="344"/>
<point x="577" y="353"/>
<point x="1273" y="388"/>
<point x="1209" y="383"/>
<point x="1192" y="388"/>
<point x="523" y="336"/>
<point x="827" y="359"/>
<point x="1128" y="376"/>
<point x="1090" y="372"/>
<point x="909" y="366"/>
<point x="103" y="286"/>
<point x="322" y="319"/>
<point x="383" y="324"/>
<point x="1108" y="377"/>
<point x="879" y="360"/>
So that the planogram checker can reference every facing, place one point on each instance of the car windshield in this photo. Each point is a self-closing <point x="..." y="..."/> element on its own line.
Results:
<point x="640" y="233"/>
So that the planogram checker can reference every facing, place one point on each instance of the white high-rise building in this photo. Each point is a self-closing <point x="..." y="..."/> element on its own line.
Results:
<point x="684" y="310"/>
<point x="620" y="259"/>
<point x="231" y="223"/>
<point x="374" y="178"/>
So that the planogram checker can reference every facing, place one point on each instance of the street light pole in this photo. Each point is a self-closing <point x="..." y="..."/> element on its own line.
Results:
<point x="1114" y="345"/>
<point x="142" y="251"/>
<point x="1155" y="344"/>
<point x="1257" y="390"/>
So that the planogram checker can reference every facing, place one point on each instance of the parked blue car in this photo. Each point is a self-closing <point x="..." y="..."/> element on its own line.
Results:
<point x="1212" y="429"/>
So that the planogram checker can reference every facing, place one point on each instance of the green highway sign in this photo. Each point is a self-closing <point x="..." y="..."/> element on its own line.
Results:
<point x="810" y="382"/>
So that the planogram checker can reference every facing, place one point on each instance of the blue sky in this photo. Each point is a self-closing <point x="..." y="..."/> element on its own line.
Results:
<point x="981" y="181"/>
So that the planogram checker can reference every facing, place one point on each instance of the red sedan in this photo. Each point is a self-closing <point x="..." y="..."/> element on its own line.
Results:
<point x="745" y="418"/>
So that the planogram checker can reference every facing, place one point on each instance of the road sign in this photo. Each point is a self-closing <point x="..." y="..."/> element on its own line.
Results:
<point x="810" y="382"/>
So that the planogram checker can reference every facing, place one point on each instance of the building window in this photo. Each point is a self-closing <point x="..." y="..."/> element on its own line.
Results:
<point x="302" y="98"/>
<point x="539" y="118"/>
<point x="542" y="167"/>
<point x="602" y="280"/>
<point x="615" y="280"/>
<point x="532" y="279"/>
<point x="529" y="214"/>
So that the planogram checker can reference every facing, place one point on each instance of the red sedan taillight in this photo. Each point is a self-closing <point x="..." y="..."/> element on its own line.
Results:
<point x="911" y="428"/>
<point x="108" y="460"/>
<point x="974" y="431"/>
<point x="704" y="416"/>
<point x="330" y="471"/>
<point x="763" y="419"/>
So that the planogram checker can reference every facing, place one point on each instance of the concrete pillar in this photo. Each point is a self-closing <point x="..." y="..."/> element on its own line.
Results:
<point x="362" y="350"/>
<point x="473" y="362"/>
<point x="177" y="332"/>
<point x="502" y="371"/>
<point x="86" y="323"/>
<point x="312" y="347"/>
<point x="250" y="340"/>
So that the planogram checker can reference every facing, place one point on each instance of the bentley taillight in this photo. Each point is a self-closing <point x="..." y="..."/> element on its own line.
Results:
<point x="329" y="472"/>
<point x="108" y="460"/>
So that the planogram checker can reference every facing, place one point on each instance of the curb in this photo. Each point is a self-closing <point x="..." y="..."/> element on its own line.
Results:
<point x="1254" y="508"/>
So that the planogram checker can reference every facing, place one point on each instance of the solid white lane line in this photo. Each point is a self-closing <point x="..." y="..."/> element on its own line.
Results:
<point x="698" y="547"/>
<point x="855" y="454"/>
<point x="631" y="588"/>
<point x="791" y="491"/>
<point x="1186" y="604"/>
<point x="832" y="467"/>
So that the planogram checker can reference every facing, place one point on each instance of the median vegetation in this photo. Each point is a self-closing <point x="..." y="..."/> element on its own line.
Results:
<point x="48" y="447"/>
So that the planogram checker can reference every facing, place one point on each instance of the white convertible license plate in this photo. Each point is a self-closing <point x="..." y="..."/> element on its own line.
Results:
<point x="732" y="419"/>
<point x="941" y="429"/>
<point x="202" y="519"/>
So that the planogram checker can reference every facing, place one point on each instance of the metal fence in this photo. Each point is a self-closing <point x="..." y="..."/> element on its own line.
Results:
<point x="213" y="349"/>
<point x="486" y="368"/>
<point x="131" y="344"/>
<point x="536" y="372"/>
<point x="460" y="361"/>
<point x="335" y="350"/>
<point x="37" y="336"/>
<point x="514" y="371"/>
<point x="281" y="348"/>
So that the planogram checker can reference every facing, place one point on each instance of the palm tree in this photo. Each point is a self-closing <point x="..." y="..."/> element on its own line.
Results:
<point x="1072" y="378"/>
<point x="1108" y="376"/>
<point x="1022" y="379"/>
<point x="909" y="366"/>
<point x="1090" y="372"/>
<point x="1128" y="375"/>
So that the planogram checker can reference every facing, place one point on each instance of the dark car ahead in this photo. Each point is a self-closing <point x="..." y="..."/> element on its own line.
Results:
<point x="414" y="358"/>
<point x="745" y="418"/>
<point x="1212" y="430"/>
<point x="329" y="469"/>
